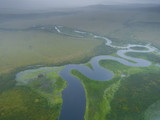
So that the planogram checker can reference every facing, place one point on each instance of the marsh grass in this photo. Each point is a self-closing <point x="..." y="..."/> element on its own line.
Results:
<point x="118" y="99"/>
<point x="135" y="94"/>
<point x="96" y="104"/>
<point x="139" y="48"/>
<point x="22" y="48"/>
<point x="110" y="100"/>
<point x="34" y="95"/>
<point x="148" y="56"/>
<point x="22" y="103"/>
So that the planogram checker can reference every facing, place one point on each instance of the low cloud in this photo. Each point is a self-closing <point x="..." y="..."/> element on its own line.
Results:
<point x="44" y="4"/>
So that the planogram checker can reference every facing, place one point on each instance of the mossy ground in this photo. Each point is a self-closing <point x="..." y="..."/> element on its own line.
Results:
<point x="23" y="48"/>
<point x="125" y="96"/>
<point x="21" y="103"/>
<point x="34" y="95"/>
<point x="131" y="91"/>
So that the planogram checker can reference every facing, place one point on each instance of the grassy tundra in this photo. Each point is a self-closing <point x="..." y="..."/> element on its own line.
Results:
<point x="126" y="97"/>
<point x="22" y="48"/>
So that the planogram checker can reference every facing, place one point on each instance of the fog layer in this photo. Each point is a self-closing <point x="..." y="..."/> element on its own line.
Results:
<point x="46" y="4"/>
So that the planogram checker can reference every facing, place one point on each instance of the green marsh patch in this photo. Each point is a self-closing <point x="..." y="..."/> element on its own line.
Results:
<point x="21" y="103"/>
<point x="98" y="95"/>
<point x="148" y="56"/>
<point x="134" y="96"/>
<point x="139" y="48"/>
<point x="153" y="112"/>
<point x="34" y="95"/>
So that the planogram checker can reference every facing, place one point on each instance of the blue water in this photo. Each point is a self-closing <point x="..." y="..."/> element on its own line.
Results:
<point x="74" y="98"/>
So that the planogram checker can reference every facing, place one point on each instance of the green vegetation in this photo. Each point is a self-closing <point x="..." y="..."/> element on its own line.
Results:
<point x="89" y="65"/>
<point x="125" y="97"/>
<point x="119" y="69"/>
<point x="98" y="95"/>
<point x="149" y="56"/>
<point x="21" y="103"/>
<point x="37" y="95"/>
<point x="114" y="66"/>
<point x="153" y="112"/>
<point x="102" y="49"/>
<point x="37" y="47"/>
<point x="40" y="47"/>
<point x="134" y="96"/>
<point x="7" y="81"/>
<point x="139" y="48"/>
<point x="139" y="25"/>
<point x="130" y="95"/>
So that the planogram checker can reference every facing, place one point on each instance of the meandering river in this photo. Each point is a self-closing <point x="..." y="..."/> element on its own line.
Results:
<point x="74" y="99"/>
